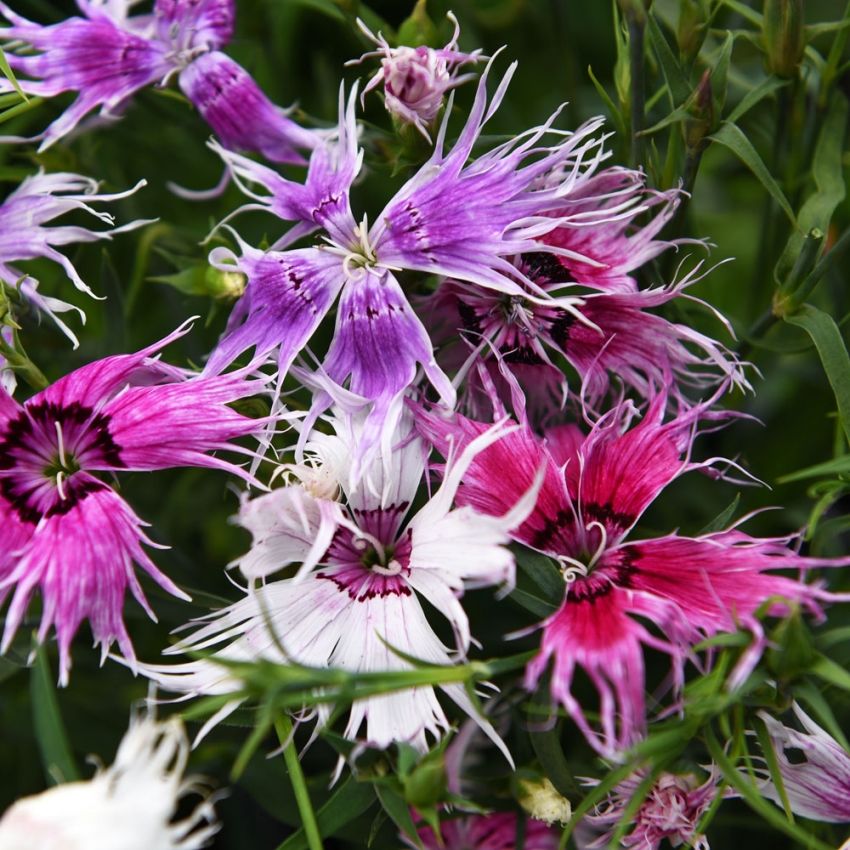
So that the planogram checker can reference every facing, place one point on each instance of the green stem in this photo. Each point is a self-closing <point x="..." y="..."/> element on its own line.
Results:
<point x="638" y="97"/>
<point x="283" y="726"/>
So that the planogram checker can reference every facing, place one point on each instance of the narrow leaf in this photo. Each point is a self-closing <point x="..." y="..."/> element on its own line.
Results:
<point x="730" y="136"/>
<point x="9" y="74"/>
<point x="830" y="346"/>
<point x="56" y="755"/>
<point x="396" y="807"/>
<point x="754" y="96"/>
<point x="675" y="77"/>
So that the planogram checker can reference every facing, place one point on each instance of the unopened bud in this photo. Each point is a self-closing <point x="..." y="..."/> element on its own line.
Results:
<point x="227" y="285"/>
<point x="541" y="801"/>
<point x="635" y="10"/>
<point x="784" y="37"/>
<point x="701" y="111"/>
<point x="692" y="27"/>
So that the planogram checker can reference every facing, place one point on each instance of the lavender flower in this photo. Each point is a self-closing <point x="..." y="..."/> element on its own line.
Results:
<point x="416" y="79"/>
<point x="455" y="217"/>
<point x="129" y="805"/>
<point x="36" y="202"/>
<point x="374" y="565"/>
<point x="818" y="786"/>
<point x="67" y="532"/>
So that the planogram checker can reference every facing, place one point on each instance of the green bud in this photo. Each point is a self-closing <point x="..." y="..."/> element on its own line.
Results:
<point x="784" y="36"/>
<point x="701" y="110"/>
<point x="207" y="280"/>
<point x="692" y="28"/>
<point x="792" y="652"/>
<point x="425" y="785"/>
<point x="418" y="29"/>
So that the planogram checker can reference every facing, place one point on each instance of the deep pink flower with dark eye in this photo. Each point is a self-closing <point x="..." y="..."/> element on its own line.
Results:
<point x="416" y="79"/>
<point x="64" y="530"/>
<point x="497" y="831"/>
<point x="621" y="594"/>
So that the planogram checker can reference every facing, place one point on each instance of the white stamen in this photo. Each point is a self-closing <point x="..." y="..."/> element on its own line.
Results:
<point x="61" y="444"/>
<point x="59" y="478"/>
<point x="393" y="568"/>
<point x="603" y="543"/>
<point x="571" y="568"/>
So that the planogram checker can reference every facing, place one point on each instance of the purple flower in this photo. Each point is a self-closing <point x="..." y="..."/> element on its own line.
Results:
<point x="240" y="114"/>
<point x="672" y="810"/>
<point x="596" y="488"/>
<point x="36" y="202"/>
<point x="454" y="217"/>
<point x="375" y="561"/>
<point x="818" y="785"/>
<point x="416" y="79"/>
<point x="67" y="532"/>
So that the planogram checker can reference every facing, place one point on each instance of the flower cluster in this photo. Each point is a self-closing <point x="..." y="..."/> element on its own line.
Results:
<point x="502" y="381"/>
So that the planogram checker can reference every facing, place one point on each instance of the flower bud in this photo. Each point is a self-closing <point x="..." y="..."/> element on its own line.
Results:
<point x="635" y="9"/>
<point x="416" y="79"/>
<point x="692" y="27"/>
<point x="701" y="111"/>
<point x="543" y="802"/>
<point x="784" y="38"/>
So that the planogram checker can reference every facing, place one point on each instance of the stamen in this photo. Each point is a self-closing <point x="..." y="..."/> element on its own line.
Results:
<point x="571" y="569"/>
<point x="61" y="444"/>
<point x="603" y="543"/>
<point x="59" y="478"/>
<point x="393" y="568"/>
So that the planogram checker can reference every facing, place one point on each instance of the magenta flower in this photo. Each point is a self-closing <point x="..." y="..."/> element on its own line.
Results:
<point x="818" y="785"/>
<point x="596" y="488"/>
<point x="64" y="530"/>
<point x="36" y="202"/>
<point x="602" y="335"/>
<point x="416" y="79"/>
<point x="497" y="831"/>
<point x="455" y="217"/>
<point x="376" y="562"/>
<point x="672" y="810"/>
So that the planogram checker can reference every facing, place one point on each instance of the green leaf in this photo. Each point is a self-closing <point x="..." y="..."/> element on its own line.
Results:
<point x="723" y="519"/>
<point x="348" y="802"/>
<point x="813" y="697"/>
<point x="398" y="810"/>
<point x="56" y="755"/>
<point x="674" y="76"/>
<point x="9" y="74"/>
<point x="745" y="12"/>
<point x="830" y="346"/>
<point x="616" y="115"/>
<point x="837" y="466"/>
<point x="773" y="765"/>
<point x="754" y="96"/>
<point x="720" y="74"/>
<point x="826" y="669"/>
<point x="543" y="572"/>
<point x="827" y="172"/>
<point x="730" y="136"/>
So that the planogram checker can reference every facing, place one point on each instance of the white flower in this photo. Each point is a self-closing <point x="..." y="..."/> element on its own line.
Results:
<point x="127" y="806"/>
<point x="375" y="564"/>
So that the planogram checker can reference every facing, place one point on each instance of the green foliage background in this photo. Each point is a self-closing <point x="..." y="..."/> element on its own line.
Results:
<point x="295" y="49"/>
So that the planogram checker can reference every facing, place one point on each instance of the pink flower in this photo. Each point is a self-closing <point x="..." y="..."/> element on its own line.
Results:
<point x="497" y="831"/>
<point x="416" y="79"/>
<point x="64" y="530"/>
<point x="596" y="488"/>
<point x="671" y="811"/>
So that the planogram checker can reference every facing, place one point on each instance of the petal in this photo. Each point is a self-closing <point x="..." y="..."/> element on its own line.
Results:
<point x="195" y="23"/>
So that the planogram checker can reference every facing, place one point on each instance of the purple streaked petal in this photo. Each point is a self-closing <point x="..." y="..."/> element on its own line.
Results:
<point x="83" y="562"/>
<point x="286" y="298"/>
<point x="243" y="118"/>
<point x="193" y="25"/>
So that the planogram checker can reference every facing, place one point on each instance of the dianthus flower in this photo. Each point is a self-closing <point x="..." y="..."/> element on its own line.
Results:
<point x="672" y="810"/>
<point x="130" y="805"/>
<point x="108" y="55"/>
<point x="67" y="532"/>
<point x="497" y="831"/>
<point x="596" y="488"/>
<point x="375" y="562"/>
<point x="36" y="202"/>
<point x="818" y="785"/>
<point x="416" y="79"/>
<point x="455" y="217"/>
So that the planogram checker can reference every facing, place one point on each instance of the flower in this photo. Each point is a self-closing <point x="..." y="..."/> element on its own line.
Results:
<point x="596" y="488"/>
<point x="364" y="600"/>
<point x="109" y="55"/>
<point x="672" y="810"/>
<point x="67" y="532"/>
<point x="240" y="114"/>
<point x="36" y="202"/>
<point x="416" y="79"/>
<point x="129" y="805"/>
<point x="454" y="217"/>
<point x="607" y="333"/>
<point x="542" y="800"/>
<point x="496" y="831"/>
<point x="818" y="785"/>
